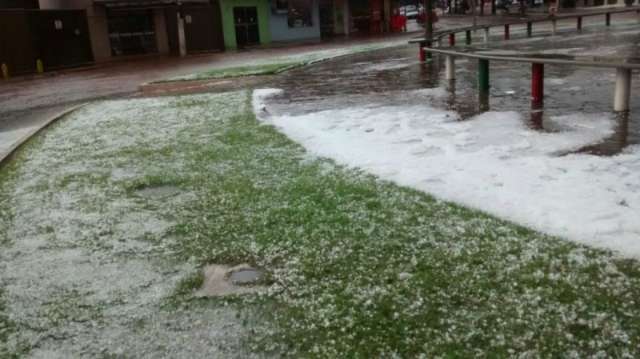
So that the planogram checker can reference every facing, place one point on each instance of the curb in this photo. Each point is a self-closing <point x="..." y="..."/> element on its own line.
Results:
<point x="6" y="156"/>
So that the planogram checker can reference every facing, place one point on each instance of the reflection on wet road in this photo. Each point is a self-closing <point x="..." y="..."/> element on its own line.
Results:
<point x="395" y="77"/>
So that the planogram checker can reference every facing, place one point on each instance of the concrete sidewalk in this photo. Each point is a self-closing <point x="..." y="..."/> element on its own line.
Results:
<point x="18" y="127"/>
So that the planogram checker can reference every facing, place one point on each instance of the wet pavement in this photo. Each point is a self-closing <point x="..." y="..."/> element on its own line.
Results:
<point x="391" y="77"/>
<point x="27" y="104"/>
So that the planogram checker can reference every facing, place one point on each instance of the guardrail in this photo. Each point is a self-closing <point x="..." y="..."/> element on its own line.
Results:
<point x="623" y="68"/>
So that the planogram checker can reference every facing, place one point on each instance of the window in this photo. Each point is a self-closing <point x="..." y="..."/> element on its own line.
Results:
<point x="300" y="13"/>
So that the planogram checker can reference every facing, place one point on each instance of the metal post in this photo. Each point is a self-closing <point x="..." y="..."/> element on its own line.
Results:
<point x="506" y="31"/>
<point x="483" y="75"/>
<point x="486" y="35"/>
<point x="623" y="90"/>
<point x="554" y="26"/>
<point x="483" y="101"/>
<point x="537" y="84"/>
<point x="452" y="39"/>
<point x="450" y="71"/>
<point x="5" y="71"/>
<point x="529" y="28"/>
<point x="182" y="42"/>
<point x="468" y="37"/>
<point x="608" y="19"/>
<point x="421" y="54"/>
<point x="579" y="25"/>
<point x="537" y="116"/>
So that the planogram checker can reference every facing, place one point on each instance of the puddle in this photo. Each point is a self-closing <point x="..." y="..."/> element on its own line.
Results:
<point x="222" y="280"/>
<point x="335" y="84"/>
<point x="159" y="192"/>
<point x="245" y="276"/>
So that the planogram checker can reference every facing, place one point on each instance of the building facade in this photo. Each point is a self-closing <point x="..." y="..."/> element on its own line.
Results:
<point x="138" y="27"/>
<point x="63" y="33"/>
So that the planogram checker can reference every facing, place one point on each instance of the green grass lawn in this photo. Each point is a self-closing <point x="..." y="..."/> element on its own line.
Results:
<point x="249" y="70"/>
<point x="358" y="267"/>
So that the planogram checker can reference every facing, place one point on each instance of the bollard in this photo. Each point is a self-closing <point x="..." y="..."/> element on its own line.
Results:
<point x="607" y="19"/>
<point x="537" y="84"/>
<point x="579" y="24"/>
<point x="39" y="66"/>
<point x="468" y="37"/>
<point x="483" y="102"/>
<point x="529" y="28"/>
<point x="623" y="90"/>
<point x="554" y="26"/>
<point x="421" y="54"/>
<point x="506" y="31"/>
<point x="5" y="71"/>
<point x="486" y="35"/>
<point x="537" y="116"/>
<point x="450" y="71"/>
<point x="452" y="39"/>
<point x="483" y="75"/>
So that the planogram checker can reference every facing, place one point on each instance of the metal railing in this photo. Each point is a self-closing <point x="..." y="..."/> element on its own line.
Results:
<point x="623" y="67"/>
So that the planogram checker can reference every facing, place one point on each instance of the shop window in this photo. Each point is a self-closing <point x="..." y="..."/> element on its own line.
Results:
<point x="300" y="13"/>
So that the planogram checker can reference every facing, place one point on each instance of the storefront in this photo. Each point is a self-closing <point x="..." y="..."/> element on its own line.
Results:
<point x="161" y="26"/>
<point x="245" y="23"/>
<point x="120" y="28"/>
<point x="294" y="20"/>
<point x="133" y="32"/>
<point x="368" y="16"/>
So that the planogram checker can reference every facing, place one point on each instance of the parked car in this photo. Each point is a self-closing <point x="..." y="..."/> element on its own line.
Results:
<point x="410" y="11"/>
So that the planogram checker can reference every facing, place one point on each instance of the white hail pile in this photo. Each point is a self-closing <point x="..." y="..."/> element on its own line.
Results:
<point x="492" y="162"/>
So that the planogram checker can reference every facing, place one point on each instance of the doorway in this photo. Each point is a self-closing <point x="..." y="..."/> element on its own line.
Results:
<point x="203" y="28"/>
<point x="246" y="23"/>
<point x="326" y="18"/>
